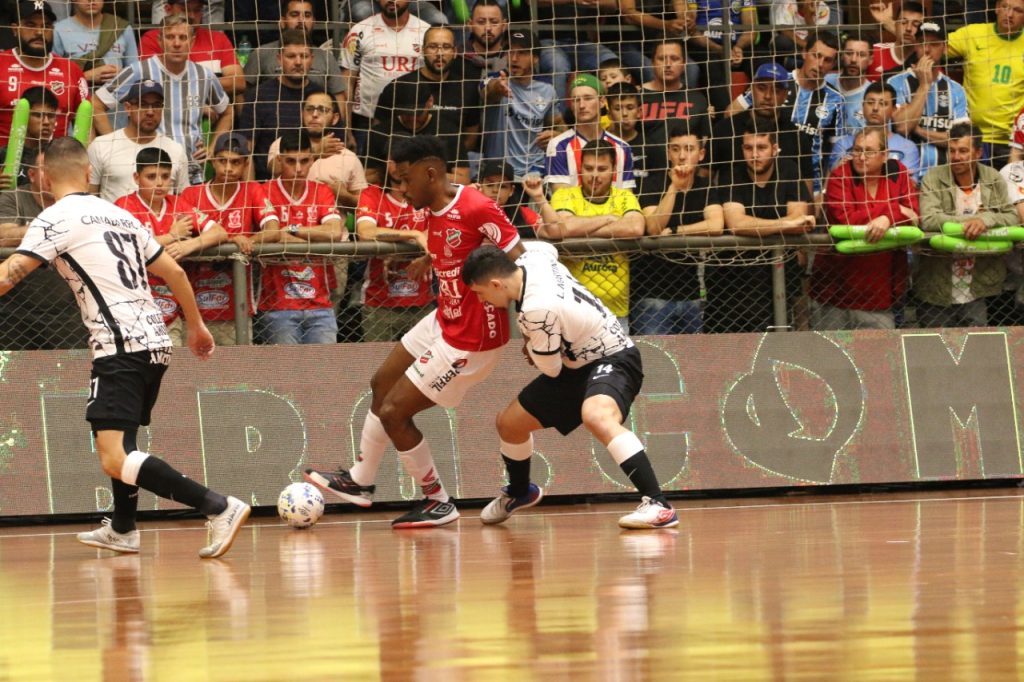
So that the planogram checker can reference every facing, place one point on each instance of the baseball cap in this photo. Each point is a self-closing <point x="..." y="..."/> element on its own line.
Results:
<point x="934" y="27"/>
<point x="587" y="80"/>
<point x="772" y="72"/>
<point x="499" y="168"/>
<point x="233" y="142"/>
<point x="522" y="40"/>
<point x="27" y="8"/>
<point x="143" y="87"/>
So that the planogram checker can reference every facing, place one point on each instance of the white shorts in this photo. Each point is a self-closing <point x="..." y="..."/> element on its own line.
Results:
<point x="441" y="372"/>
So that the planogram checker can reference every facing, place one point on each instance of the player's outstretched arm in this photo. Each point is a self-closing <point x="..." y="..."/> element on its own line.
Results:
<point x="200" y="342"/>
<point x="15" y="269"/>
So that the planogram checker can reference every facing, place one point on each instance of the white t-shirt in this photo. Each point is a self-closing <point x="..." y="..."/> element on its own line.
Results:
<point x="102" y="252"/>
<point x="967" y="203"/>
<point x="380" y="54"/>
<point x="560" y="318"/>
<point x="787" y="13"/>
<point x="112" y="158"/>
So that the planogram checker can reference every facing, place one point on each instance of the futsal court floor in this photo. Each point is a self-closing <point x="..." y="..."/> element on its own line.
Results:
<point x="908" y="586"/>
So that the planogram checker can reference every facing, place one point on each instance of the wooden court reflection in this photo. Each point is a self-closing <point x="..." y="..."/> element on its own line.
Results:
<point x="914" y="586"/>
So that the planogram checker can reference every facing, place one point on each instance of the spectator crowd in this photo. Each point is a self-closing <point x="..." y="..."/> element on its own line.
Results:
<point x="596" y="119"/>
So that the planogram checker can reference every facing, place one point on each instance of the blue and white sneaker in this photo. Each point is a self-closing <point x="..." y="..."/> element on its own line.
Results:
<point x="500" y="508"/>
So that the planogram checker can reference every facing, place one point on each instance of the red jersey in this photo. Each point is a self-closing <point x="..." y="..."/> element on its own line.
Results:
<point x="1017" y="132"/>
<point x="467" y="323"/>
<point x="883" y="60"/>
<point x="246" y="212"/>
<point x="209" y="48"/>
<point x="160" y="224"/>
<point x="303" y="283"/>
<point x="63" y="78"/>
<point x="387" y="284"/>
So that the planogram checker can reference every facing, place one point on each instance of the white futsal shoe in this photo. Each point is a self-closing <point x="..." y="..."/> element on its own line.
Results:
<point x="224" y="527"/>
<point x="106" y="537"/>
<point x="650" y="514"/>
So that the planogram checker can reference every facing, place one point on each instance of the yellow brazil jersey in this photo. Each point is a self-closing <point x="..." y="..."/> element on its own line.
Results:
<point x="993" y="77"/>
<point x="606" y="276"/>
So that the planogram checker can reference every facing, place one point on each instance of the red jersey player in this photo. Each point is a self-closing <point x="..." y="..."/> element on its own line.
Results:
<point x="178" y="226"/>
<point x="31" y="63"/>
<point x="295" y="293"/>
<point x="396" y="294"/>
<point x="447" y="352"/>
<point x="243" y="209"/>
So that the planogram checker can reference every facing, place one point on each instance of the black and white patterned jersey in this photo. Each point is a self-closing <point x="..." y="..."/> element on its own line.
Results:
<point x="563" y="322"/>
<point x="102" y="252"/>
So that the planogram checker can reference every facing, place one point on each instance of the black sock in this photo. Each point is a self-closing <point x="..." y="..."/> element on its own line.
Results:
<point x="126" y="502"/>
<point x="160" y="478"/>
<point x="518" y="476"/>
<point x="641" y="474"/>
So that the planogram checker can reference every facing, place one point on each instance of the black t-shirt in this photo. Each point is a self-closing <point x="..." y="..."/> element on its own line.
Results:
<point x="650" y="160"/>
<point x="726" y="146"/>
<point x="740" y="295"/>
<point x="669" y="276"/>
<point x="378" y="146"/>
<point x="674" y="105"/>
<point x="457" y="97"/>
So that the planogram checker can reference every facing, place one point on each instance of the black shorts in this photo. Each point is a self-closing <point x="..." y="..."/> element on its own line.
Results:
<point x="123" y="389"/>
<point x="558" y="401"/>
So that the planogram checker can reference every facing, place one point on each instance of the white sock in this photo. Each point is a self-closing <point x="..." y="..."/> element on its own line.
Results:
<point x="419" y="464"/>
<point x="518" y="451"/>
<point x="624" y="446"/>
<point x="132" y="464"/>
<point x="372" y="442"/>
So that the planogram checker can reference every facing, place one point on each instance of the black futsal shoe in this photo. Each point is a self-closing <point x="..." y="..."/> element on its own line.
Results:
<point x="426" y="514"/>
<point x="340" y="484"/>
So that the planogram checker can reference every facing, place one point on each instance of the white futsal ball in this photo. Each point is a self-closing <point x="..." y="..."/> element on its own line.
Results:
<point x="300" y="505"/>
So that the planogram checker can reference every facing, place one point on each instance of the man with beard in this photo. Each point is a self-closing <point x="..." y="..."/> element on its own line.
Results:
<point x="375" y="52"/>
<point x="190" y="90"/>
<point x="275" y="105"/>
<point x="760" y="196"/>
<point x="324" y="72"/>
<point x="32" y="63"/>
<point x="453" y="83"/>
<point x="487" y="48"/>
<point x="852" y="80"/>
<point x="112" y="156"/>
<point x="768" y="110"/>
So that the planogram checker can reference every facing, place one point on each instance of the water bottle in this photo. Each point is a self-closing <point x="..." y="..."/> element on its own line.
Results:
<point x="243" y="50"/>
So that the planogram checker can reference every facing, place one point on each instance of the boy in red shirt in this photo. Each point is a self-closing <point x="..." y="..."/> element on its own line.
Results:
<point x="178" y="226"/>
<point x="242" y="208"/>
<point x="295" y="293"/>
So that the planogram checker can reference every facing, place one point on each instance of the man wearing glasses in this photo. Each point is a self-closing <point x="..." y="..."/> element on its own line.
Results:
<point x="32" y="63"/>
<point x="112" y="156"/>
<point x="879" y="106"/>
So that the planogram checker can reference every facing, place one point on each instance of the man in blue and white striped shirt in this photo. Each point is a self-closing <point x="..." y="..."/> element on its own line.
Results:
<point x="190" y="91"/>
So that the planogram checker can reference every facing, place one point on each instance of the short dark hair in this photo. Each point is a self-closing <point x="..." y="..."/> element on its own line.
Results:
<point x="966" y="129"/>
<point x="856" y="35"/>
<point x="294" y="36"/>
<point x="685" y="127"/>
<point x="829" y="38"/>
<point x="491" y="3"/>
<point x="152" y="156"/>
<point x="599" y="147"/>
<point x="669" y="41"/>
<point x="755" y="126"/>
<point x="878" y="87"/>
<point x="37" y="95"/>
<point x="620" y="90"/>
<point x="418" y="148"/>
<point x="911" y="6"/>
<point x="294" y="141"/>
<point x="485" y="262"/>
<point x="63" y="154"/>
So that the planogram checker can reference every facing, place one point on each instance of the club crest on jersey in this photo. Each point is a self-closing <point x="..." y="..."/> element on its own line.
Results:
<point x="943" y="100"/>
<point x="821" y="111"/>
<point x="57" y="87"/>
<point x="235" y="219"/>
<point x="453" y="237"/>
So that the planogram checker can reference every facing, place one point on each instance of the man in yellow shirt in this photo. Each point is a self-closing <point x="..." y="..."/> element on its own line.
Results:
<point x="993" y="56"/>
<point x="593" y="209"/>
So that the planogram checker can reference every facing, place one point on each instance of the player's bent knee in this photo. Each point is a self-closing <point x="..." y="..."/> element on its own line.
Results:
<point x="110" y="448"/>
<point x="392" y="415"/>
<point x="601" y="414"/>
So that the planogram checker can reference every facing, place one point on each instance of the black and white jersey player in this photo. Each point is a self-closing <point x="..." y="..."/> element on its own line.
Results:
<point x="591" y="373"/>
<point x="564" y="323"/>
<point x="105" y="255"/>
<point x="102" y="252"/>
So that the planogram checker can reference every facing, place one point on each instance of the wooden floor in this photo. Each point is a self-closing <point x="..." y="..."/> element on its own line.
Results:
<point x="874" y="587"/>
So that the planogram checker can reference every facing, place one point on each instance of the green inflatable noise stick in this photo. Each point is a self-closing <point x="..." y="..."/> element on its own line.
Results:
<point x="943" y="242"/>
<point x="83" y="122"/>
<point x="16" y="143"/>
<point x="853" y="247"/>
<point x="1013" y="233"/>
<point x="904" y="234"/>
